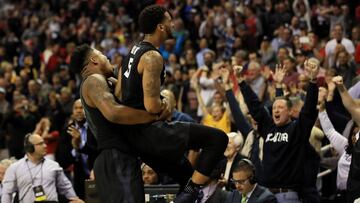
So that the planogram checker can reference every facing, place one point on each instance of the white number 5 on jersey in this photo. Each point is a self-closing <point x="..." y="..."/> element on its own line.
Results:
<point x="127" y="72"/>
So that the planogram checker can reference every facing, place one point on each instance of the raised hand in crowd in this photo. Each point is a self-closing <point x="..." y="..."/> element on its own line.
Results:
<point x="323" y="95"/>
<point x="225" y="73"/>
<point x="237" y="71"/>
<point x="350" y="104"/>
<point x="43" y="127"/>
<point x="21" y="107"/>
<point x="279" y="75"/>
<point x="338" y="81"/>
<point x="195" y="82"/>
<point x="215" y="73"/>
<point x="312" y="67"/>
<point x="266" y="73"/>
<point x="330" y="91"/>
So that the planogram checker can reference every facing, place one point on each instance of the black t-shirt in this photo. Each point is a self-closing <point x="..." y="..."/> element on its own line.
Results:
<point x="131" y="82"/>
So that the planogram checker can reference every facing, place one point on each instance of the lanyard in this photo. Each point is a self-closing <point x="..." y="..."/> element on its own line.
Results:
<point x="33" y="177"/>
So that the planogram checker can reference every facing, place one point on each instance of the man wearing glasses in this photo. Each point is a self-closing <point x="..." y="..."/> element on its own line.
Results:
<point x="247" y="189"/>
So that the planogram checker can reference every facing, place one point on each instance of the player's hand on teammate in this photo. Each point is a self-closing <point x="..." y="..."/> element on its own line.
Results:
<point x="76" y="200"/>
<point x="112" y="81"/>
<point x="166" y="110"/>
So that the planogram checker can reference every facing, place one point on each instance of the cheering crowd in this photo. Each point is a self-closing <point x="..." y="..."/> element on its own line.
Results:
<point x="280" y="78"/>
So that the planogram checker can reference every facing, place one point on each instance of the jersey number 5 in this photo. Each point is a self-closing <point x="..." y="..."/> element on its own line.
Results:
<point x="127" y="72"/>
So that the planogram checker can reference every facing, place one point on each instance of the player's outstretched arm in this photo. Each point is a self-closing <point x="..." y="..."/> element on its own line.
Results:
<point x="97" y="94"/>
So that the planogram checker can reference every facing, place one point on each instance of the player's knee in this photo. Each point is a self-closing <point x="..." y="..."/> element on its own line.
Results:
<point x="221" y="140"/>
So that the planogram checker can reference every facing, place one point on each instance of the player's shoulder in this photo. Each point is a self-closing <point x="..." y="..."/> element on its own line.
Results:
<point x="94" y="81"/>
<point x="94" y="78"/>
<point x="152" y="58"/>
<point x="152" y="55"/>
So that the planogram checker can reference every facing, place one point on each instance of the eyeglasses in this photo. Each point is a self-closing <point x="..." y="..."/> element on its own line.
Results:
<point x="239" y="182"/>
<point x="40" y="143"/>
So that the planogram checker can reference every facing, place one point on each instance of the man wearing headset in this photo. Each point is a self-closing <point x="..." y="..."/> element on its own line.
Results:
<point x="247" y="189"/>
<point x="35" y="178"/>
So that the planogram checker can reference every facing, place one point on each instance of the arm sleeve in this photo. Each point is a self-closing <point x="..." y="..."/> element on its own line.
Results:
<point x="9" y="184"/>
<point x="63" y="152"/>
<point x="309" y="113"/>
<point x="63" y="185"/>
<point x="240" y="120"/>
<point x="257" y="111"/>
<point x="206" y="82"/>
<point x="355" y="168"/>
<point x="351" y="48"/>
<point x="354" y="91"/>
<point x="327" y="49"/>
<point x="337" y="112"/>
<point x="294" y="7"/>
<point x="308" y="14"/>
<point x="90" y="148"/>
<point x="336" y="139"/>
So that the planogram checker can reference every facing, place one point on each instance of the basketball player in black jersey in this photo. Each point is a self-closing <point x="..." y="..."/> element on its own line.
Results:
<point x="162" y="143"/>
<point x="117" y="170"/>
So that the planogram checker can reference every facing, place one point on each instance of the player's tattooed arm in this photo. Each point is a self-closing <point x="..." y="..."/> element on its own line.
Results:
<point x="152" y="63"/>
<point x="98" y="95"/>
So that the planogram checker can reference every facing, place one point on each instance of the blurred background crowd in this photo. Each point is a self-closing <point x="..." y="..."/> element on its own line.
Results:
<point x="38" y="93"/>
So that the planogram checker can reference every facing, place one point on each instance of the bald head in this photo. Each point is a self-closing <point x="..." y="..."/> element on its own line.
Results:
<point x="78" y="111"/>
<point x="39" y="147"/>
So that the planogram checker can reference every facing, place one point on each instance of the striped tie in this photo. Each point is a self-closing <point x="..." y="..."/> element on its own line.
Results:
<point x="243" y="198"/>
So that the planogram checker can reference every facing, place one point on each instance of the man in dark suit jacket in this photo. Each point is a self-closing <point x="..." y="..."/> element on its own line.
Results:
<point x="247" y="190"/>
<point x="77" y="148"/>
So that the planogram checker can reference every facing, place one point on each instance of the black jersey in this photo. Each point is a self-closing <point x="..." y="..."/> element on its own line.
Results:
<point x="107" y="134"/>
<point x="131" y="82"/>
